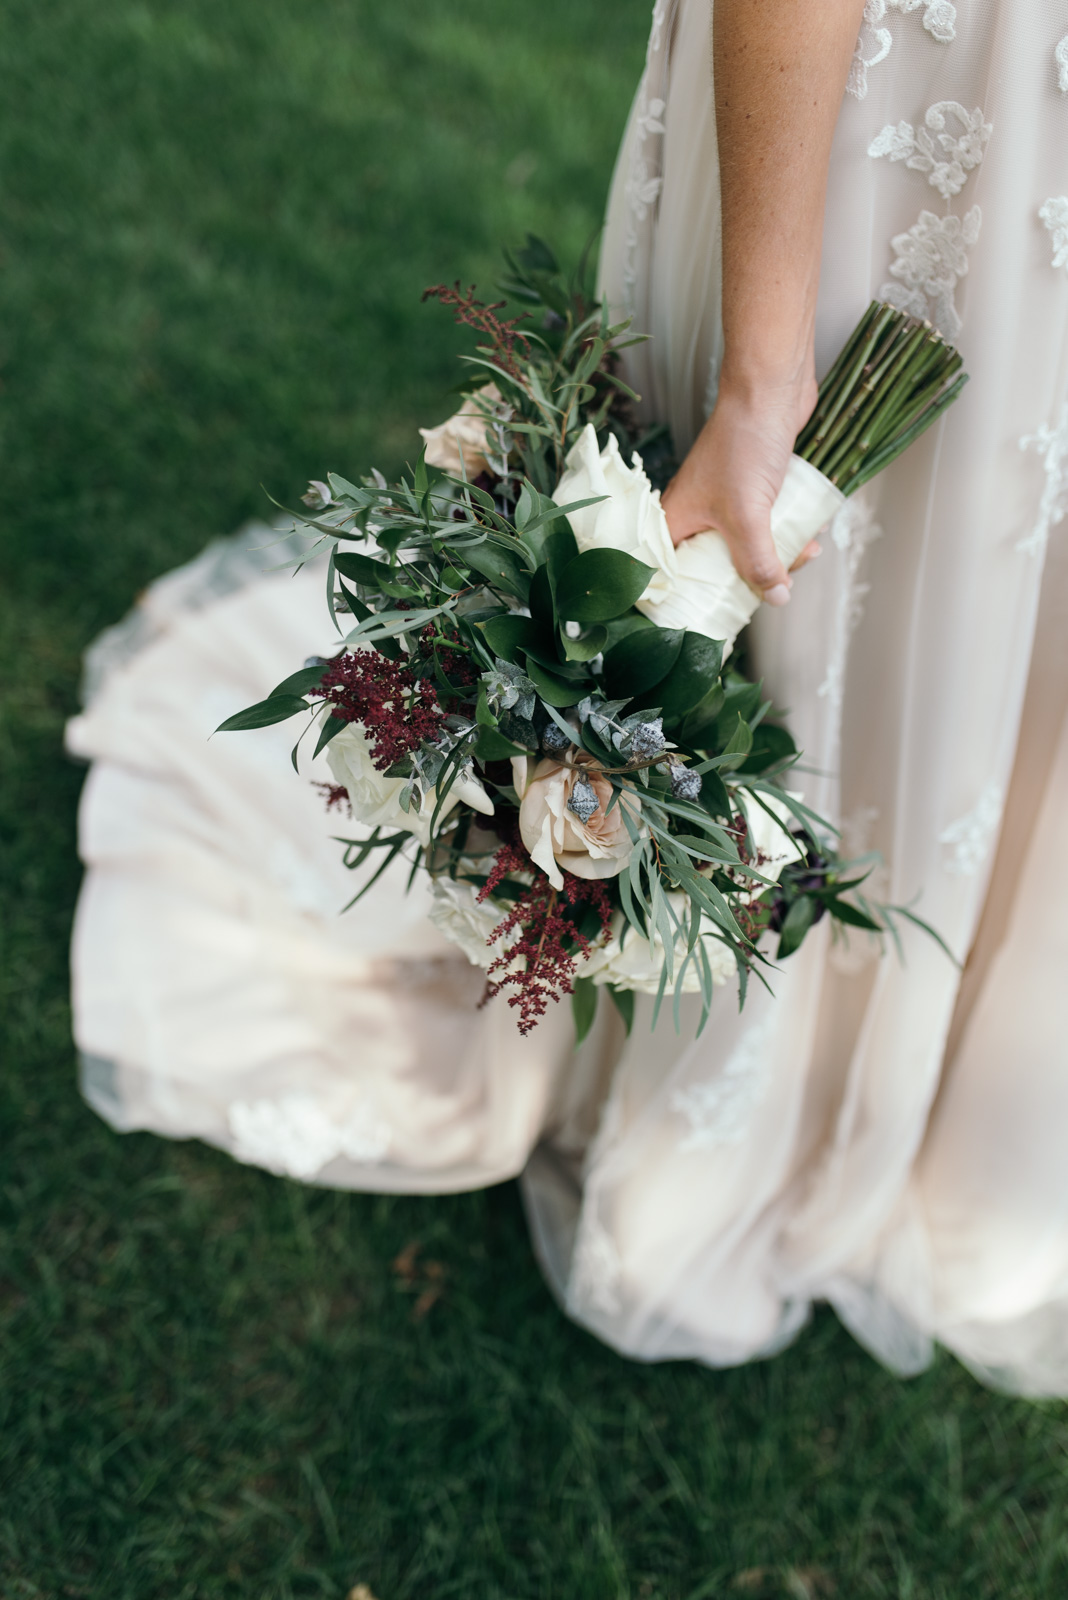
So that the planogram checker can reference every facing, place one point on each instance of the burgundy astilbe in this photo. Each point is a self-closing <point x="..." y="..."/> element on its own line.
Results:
<point x="398" y="710"/>
<point x="537" y="964"/>
<point x="334" y="794"/>
<point x="503" y="335"/>
<point x="455" y="665"/>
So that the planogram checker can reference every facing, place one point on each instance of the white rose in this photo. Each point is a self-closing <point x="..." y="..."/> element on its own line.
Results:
<point x="457" y="913"/>
<point x="695" y="586"/>
<point x="630" y="519"/>
<point x="556" y="836"/>
<point x="636" y="963"/>
<point x="465" y="431"/>
<point x="375" y="798"/>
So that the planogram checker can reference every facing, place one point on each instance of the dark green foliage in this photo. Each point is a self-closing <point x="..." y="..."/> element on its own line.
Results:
<point x="217" y="221"/>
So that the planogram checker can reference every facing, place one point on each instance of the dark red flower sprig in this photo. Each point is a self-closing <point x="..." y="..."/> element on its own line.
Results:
<point x="398" y="710"/>
<point x="471" y="313"/>
<point x="453" y="665"/>
<point x="334" y="794"/>
<point x="538" y="964"/>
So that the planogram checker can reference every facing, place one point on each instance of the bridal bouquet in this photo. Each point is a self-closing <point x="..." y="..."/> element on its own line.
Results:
<point x="530" y="700"/>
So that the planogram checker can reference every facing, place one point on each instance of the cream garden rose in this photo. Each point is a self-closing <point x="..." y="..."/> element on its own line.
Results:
<point x="776" y="847"/>
<point x="375" y="798"/>
<point x="457" y="912"/>
<point x="556" y="837"/>
<point x="464" y="432"/>
<point x="695" y="585"/>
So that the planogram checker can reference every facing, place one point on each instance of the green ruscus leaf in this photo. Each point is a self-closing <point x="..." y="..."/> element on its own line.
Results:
<point x="600" y="584"/>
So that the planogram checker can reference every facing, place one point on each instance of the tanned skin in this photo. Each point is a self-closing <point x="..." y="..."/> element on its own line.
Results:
<point x="780" y="74"/>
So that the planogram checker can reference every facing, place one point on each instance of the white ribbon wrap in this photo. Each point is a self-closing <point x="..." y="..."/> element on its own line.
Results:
<point x="695" y="586"/>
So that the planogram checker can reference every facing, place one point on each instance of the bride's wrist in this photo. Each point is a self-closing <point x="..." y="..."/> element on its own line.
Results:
<point x="756" y="382"/>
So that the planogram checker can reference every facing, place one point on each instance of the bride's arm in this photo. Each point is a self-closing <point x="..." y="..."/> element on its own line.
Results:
<point x="780" y="73"/>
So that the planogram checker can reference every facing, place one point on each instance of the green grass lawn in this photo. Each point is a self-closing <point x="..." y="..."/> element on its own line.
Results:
<point x="217" y="219"/>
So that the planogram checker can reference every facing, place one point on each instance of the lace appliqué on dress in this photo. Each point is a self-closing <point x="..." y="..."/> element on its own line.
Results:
<point x="960" y="154"/>
<point x="596" y="1270"/>
<point x="719" y="1112"/>
<point x="876" y="42"/>
<point x="852" y="531"/>
<point x="295" y="1135"/>
<point x="1060" y="57"/>
<point x="1055" y="216"/>
<point x="873" y="46"/>
<point x="968" y="840"/>
<point x="1052" y="446"/>
<point x="930" y="259"/>
<point x="644" y="181"/>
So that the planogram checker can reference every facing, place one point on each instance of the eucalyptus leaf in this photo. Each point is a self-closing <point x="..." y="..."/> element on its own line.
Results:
<point x="330" y="729"/>
<point x="277" y="708"/>
<point x="850" y="914"/>
<point x="300" y="682"/>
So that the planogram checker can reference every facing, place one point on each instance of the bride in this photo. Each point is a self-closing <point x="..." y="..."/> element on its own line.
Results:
<point x="885" y="1134"/>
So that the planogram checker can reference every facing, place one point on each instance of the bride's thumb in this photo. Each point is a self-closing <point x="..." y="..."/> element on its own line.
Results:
<point x="757" y="561"/>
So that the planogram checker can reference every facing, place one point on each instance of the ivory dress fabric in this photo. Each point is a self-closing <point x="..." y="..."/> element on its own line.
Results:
<point x="880" y="1134"/>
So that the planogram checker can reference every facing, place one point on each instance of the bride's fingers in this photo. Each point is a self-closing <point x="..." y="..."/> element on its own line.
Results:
<point x="809" y="553"/>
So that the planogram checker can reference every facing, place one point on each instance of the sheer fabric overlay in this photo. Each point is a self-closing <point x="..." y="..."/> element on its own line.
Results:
<point x="920" y="1189"/>
<point x="879" y="1134"/>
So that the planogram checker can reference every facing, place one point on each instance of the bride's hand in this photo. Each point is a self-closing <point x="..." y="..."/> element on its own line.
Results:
<point x="732" y="476"/>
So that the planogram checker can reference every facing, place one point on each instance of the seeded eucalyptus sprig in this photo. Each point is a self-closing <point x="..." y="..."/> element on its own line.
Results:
<point x="894" y="378"/>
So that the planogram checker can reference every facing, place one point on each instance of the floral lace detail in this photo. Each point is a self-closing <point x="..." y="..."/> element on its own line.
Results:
<point x="852" y="531"/>
<point x="720" y="1112"/>
<point x="930" y="260"/>
<point x="969" y="838"/>
<point x="960" y="155"/>
<point x="874" y="39"/>
<point x="939" y="18"/>
<point x="1060" y="57"/>
<point x="1052" y="446"/>
<point x="596" y="1270"/>
<point x="297" y="1136"/>
<point x="1055" y="216"/>
<point x="644" y="181"/>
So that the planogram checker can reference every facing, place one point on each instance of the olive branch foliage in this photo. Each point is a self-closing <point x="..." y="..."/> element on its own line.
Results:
<point x="535" y="648"/>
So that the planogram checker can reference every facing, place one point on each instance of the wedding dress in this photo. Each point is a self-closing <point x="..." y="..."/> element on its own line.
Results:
<point x="882" y="1134"/>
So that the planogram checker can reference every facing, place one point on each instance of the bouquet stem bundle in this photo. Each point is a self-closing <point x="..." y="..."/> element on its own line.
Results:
<point x="893" y="379"/>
